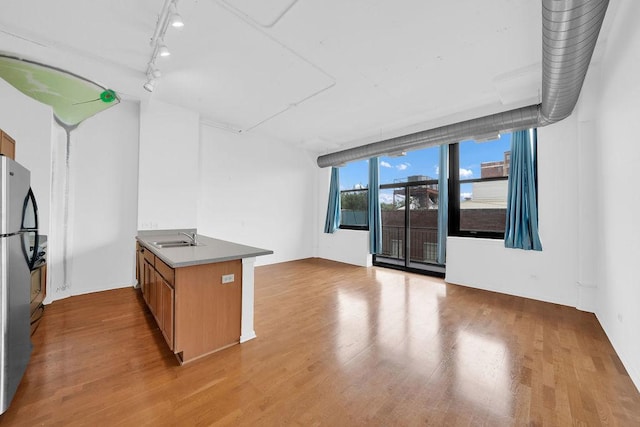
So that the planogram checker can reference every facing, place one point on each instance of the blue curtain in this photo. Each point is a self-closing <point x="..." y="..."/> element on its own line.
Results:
<point x="522" y="206"/>
<point x="375" y="217"/>
<point x="332" y="223"/>
<point x="443" y="202"/>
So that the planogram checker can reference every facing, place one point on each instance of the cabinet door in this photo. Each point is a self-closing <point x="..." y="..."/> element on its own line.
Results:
<point x="146" y="281"/>
<point x="140" y="264"/>
<point x="150" y="279"/>
<point x="7" y="146"/>
<point x="155" y="297"/>
<point x="167" y="311"/>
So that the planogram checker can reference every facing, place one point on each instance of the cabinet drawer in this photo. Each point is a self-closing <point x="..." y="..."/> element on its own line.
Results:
<point x="165" y="271"/>
<point x="149" y="256"/>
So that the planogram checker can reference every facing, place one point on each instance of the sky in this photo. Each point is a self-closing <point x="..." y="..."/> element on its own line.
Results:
<point x="425" y="162"/>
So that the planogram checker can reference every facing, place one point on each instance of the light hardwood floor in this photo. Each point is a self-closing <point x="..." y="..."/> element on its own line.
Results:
<point x="339" y="346"/>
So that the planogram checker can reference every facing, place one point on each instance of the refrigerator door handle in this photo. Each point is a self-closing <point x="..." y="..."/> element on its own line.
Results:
<point x="30" y="238"/>
<point x="30" y="207"/>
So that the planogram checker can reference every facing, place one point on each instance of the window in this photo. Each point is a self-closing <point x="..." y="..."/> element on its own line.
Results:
<point x="354" y="179"/>
<point x="479" y="174"/>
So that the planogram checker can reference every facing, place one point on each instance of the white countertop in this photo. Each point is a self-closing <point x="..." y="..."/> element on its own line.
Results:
<point x="209" y="250"/>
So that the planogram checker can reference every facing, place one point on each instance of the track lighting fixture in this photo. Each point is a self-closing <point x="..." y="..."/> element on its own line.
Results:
<point x="168" y="16"/>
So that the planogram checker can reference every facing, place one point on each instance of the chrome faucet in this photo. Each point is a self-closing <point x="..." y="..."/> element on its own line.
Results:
<point x="193" y="236"/>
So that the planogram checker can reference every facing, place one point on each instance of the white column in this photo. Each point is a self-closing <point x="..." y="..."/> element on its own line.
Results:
<point x="246" y="329"/>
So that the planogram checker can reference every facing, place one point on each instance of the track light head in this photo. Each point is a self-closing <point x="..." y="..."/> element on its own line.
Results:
<point x="163" y="50"/>
<point x="150" y="85"/>
<point x="176" y="20"/>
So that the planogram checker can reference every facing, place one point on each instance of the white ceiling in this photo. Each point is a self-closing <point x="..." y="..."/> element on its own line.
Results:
<point x="324" y="74"/>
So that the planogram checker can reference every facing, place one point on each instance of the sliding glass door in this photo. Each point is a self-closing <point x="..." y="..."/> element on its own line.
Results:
<point x="409" y="206"/>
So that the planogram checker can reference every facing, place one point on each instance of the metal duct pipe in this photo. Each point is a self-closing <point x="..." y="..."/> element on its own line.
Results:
<point x="570" y="31"/>
<point x="521" y="118"/>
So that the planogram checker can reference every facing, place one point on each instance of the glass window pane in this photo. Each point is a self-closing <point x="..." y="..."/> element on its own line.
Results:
<point x="486" y="210"/>
<point x="485" y="159"/>
<point x="354" y="205"/>
<point x="354" y="179"/>
<point x="418" y="165"/>
<point x="483" y="202"/>
<point x="423" y="220"/>
<point x="392" y="202"/>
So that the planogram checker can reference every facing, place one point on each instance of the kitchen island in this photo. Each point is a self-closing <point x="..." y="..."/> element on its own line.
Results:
<point x="199" y="289"/>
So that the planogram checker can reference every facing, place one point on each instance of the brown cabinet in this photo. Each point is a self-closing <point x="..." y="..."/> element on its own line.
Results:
<point x="153" y="292"/>
<point x="167" y="309"/>
<point x="196" y="312"/>
<point x="158" y="293"/>
<point x="7" y="145"/>
<point x="207" y="311"/>
<point x="139" y="263"/>
<point x="146" y="280"/>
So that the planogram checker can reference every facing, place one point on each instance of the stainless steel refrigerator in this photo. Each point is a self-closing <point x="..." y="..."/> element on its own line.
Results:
<point x="18" y="247"/>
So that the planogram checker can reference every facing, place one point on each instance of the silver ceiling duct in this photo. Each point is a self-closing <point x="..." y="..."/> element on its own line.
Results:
<point x="570" y="31"/>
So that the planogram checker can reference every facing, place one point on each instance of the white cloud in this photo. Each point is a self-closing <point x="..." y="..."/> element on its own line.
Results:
<point x="403" y="166"/>
<point x="385" y="164"/>
<point x="359" y="186"/>
<point x="466" y="196"/>
<point x="465" y="173"/>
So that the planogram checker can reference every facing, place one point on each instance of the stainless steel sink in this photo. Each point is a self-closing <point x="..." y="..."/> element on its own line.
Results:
<point x="173" y="244"/>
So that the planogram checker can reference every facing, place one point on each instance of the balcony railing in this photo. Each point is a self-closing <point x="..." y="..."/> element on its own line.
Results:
<point x="423" y="242"/>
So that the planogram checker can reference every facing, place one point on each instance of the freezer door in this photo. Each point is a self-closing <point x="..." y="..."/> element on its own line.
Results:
<point x="15" y="343"/>
<point x="14" y="187"/>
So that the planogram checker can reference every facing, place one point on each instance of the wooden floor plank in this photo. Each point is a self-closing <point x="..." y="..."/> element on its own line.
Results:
<point x="337" y="345"/>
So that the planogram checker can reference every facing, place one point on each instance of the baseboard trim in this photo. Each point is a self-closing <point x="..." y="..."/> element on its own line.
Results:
<point x="249" y="336"/>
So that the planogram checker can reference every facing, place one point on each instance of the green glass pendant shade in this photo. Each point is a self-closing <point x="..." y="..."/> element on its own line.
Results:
<point x="72" y="97"/>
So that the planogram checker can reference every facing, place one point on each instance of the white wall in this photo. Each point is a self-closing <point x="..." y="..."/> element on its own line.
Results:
<point x="29" y="123"/>
<point x="259" y="192"/>
<point x="550" y="275"/>
<point x="168" y="170"/>
<point x="103" y="206"/>
<point x="618" y="215"/>
<point x="588" y="197"/>
<point x="348" y="246"/>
